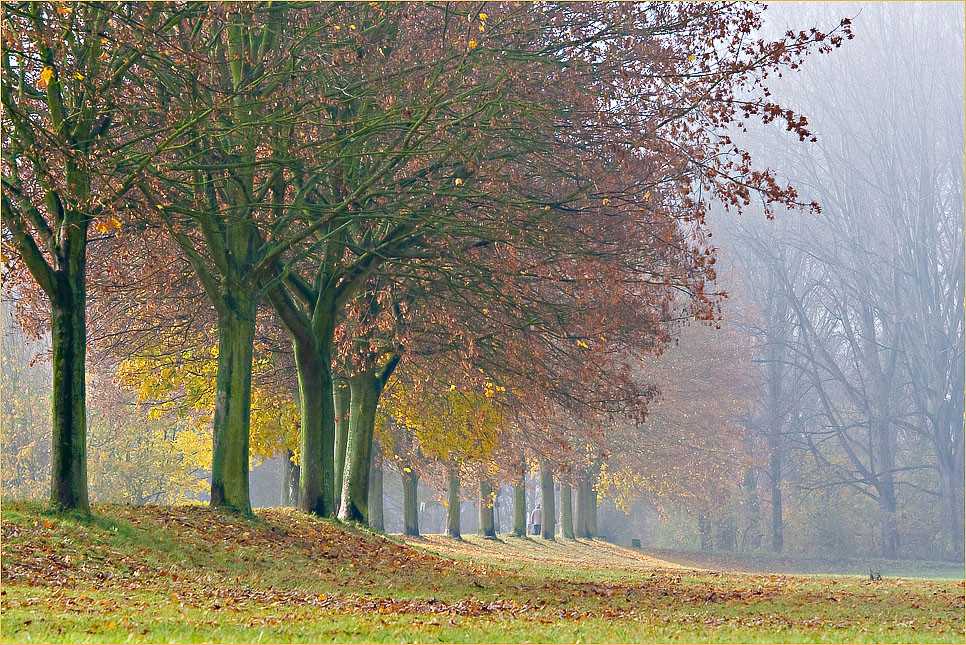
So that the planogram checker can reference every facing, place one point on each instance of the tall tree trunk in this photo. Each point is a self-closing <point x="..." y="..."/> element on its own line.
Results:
<point x="486" y="528"/>
<point x="376" y="521"/>
<point x="453" y="503"/>
<point x="566" y="511"/>
<point x="886" y="488"/>
<point x="520" y="508"/>
<point x="312" y="340"/>
<point x="68" y="327"/>
<point x="295" y="476"/>
<point x="317" y="410"/>
<point x="410" y="483"/>
<point x="951" y="488"/>
<point x="547" y="530"/>
<point x="751" y="533"/>
<point x="777" y="521"/>
<point x="364" y="388"/>
<point x="580" y="511"/>
<point x="233" y="402"/>
<point x="592" y="508"/>
<point x="704" y="531"/>
<point x="286" y="496"/>
<point x="342" y="396"/>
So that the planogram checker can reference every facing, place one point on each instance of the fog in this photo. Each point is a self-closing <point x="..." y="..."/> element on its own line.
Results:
<point x="853" y="313"/>
<point x="858" y="309"/>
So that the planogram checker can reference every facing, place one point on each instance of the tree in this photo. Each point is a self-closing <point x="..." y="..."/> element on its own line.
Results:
<point x="177" y="378"/>
<point x="133" y="458"/>
<point x="474" y="189"/>
<point x="71" y="154"/>
<point x="219" y="195"/>
<point x="870" y="283"/>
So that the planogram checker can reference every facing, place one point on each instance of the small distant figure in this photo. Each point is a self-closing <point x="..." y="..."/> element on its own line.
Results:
<point x="875" y="576"/>
<point x="536" y="520"/>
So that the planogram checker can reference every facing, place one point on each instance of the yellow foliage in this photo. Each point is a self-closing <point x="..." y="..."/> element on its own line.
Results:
<point x="131" y="458"/>
<point x="182" y="384"/>
<point x="450" y="424"/>
<point x="45" y="77"/>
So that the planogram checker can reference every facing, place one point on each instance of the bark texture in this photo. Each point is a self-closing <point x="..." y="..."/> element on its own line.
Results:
<point x="376" y="521"/>
<point x="410" y="482"/>
<point x="364" y="390"/>
<point x="547" y="530"/>
<point x="520" y="509"/>
<point x="68" y="468"/>
<point x="566" y="511"/>
<point x="453" y="503"/>
<point x="317" y="410"/>
<point x="487" y="528"/>
<point x="233" y="402"/>
<point x="340" y="391"/>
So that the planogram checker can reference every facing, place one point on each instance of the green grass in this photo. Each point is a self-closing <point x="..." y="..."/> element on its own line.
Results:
<point x="187" y="574"/>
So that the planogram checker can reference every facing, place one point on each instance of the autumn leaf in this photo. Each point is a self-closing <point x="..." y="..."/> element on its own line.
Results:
<point x="45" y="77"/>
<point x="105" y="226"/>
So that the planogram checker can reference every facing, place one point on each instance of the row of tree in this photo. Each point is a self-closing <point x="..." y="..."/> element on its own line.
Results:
<point x="476" y="219"/>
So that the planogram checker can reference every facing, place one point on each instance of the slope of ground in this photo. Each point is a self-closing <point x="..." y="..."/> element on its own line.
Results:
<point x="765" y="563"/>
<point x="519" y="552"/>
<point x="187" y="574"/>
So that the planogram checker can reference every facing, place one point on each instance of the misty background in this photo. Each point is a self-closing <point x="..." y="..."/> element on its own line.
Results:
<point x="854" y="436"/>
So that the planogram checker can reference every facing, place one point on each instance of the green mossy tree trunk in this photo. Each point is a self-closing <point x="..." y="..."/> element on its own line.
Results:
<point x="704" y="531"/>
<point x="68" y="326"/>
<point x="520" y="501"/>
<point x="487" y="528"/>
<point x="362" y="419"/>
<point x="233" y="403"/>
<point x="341" y="403"/>
<point x="566" y="511"/>
<point x="317" y="421"/>
<point x="312" y="327"/>
<point x="410" y="483"/>
<point x="520" y="508"/>
<point x="580" y="511"/>
<point x="453" y="503"/>
<point x="60" y="144"/>
<point x="592" y="509"/>
<point x="295" y="476"/>
<point x="376" y="521"/>
<point x="365" y="389"/>
<point x="547" y="530"/>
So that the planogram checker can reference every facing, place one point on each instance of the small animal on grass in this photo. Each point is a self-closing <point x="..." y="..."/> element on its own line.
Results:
<point x="875" y="576"/>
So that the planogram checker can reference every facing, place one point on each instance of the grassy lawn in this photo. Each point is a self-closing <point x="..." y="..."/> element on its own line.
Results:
<point x="187" y="574"/>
